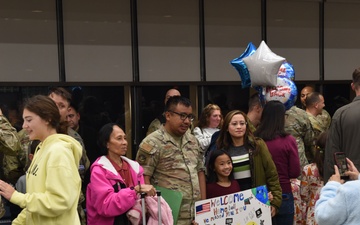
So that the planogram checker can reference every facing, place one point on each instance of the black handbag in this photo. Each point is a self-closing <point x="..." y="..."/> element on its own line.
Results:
<point x="120" y="219"/>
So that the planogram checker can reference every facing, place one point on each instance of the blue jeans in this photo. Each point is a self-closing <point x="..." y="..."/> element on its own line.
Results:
<point x="285" y="216"/>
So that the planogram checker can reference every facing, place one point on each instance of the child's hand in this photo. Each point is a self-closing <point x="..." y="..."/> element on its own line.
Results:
<point x="336" y="176"/>
<point x="194" y="223"/>
<point x="273" y="211"/>
<point x="6" y="190"/>
<point x="270" y="196"/>
<point x="353" y="173"/>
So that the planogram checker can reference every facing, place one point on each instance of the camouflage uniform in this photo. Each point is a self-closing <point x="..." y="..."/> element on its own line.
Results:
<point x="14" y="165"/>
<point x="320" y="123"/>
<point x="8" y="138"/>
<point x="297" y="124"/>
<point x="9" y="146"/>
<point x="174" y="166"/>
<point x="325" y="119"/>
<point x="154" y="125"/>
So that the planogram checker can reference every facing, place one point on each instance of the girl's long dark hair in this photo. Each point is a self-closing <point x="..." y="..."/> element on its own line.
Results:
<point x="210" y="170"/>
<point x="272" y="123"/>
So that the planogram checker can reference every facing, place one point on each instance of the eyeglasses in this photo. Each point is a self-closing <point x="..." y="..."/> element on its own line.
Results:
<point x="183" y="116"/>
<point x="237" y="123"/>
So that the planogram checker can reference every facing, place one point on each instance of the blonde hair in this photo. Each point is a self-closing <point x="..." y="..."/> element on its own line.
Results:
<point x="205" y="115"/>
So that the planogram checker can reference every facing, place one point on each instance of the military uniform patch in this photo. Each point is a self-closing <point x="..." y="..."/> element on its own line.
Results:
<point x="141" y="159"/>
<point x="146" y="147"/>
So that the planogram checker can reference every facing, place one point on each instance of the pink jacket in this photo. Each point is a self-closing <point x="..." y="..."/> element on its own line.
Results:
<point x="152" y="208"/>
<point x="103" y="204"/>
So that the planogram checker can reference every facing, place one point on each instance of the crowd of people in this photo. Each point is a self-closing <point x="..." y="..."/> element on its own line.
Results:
<point x="89" y="180"/>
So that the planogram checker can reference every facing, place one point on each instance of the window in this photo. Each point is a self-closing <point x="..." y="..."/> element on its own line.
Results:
<point x="28" y="43"/>
<point x="97" y="38"/>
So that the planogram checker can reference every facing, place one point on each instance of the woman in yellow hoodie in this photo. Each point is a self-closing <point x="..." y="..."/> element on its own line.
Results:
<point x="52" y="180"/>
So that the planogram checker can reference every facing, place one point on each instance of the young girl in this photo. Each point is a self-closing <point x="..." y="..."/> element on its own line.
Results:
<point x="53" y="182"/>
<point x="220" y="177"/>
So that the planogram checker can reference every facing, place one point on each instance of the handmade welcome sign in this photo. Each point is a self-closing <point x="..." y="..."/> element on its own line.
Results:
<point x="249" y="207"/>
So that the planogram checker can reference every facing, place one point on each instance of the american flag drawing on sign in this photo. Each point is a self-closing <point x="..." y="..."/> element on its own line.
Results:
<point x="203" y="208"/>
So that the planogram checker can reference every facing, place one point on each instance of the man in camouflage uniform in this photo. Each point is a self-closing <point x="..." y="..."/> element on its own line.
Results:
<point x="303" y="94"/>
<point x="324" y="117"/>
<point x="314" y="107"/>
<point x="9" y="145"/>
<point x="172" y="158"/>
<point x="160" y="120"/>
<point x="297" y="124"/>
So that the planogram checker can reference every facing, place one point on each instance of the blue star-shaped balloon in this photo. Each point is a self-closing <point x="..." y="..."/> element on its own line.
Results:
<point x="241" y="67"/>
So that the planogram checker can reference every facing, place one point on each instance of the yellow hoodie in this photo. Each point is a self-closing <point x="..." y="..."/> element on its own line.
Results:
<point x="52" y="184"/>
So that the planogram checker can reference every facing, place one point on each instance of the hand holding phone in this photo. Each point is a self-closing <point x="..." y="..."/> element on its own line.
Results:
<point x="341" y="163"/>
<point x="353" y="171"/>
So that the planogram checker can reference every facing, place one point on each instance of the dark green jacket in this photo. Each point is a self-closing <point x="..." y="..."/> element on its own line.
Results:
<point x="263" y="171"/>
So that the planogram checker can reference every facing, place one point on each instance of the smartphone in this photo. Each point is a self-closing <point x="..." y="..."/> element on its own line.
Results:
<point x="340" y="161"/>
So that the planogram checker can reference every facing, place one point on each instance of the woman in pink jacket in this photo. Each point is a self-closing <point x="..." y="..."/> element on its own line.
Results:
<point x="115" y="180"/>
